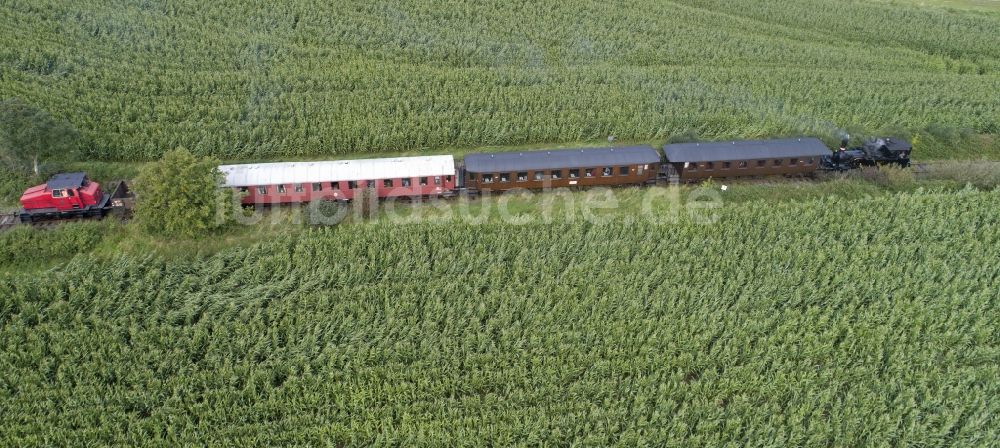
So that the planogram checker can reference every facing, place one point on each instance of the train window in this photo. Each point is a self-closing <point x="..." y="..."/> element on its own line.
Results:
<point x="810" y="161"/>
<point x="710" y="166"/>
<point x="447" y="179"/>
<point x="281" y="188"/>
<point x="556" y="174"/>
<point x="761" y="162"/>
<point x="472" y="177"/>
<point x="726" y="165"/>
<point x="589" y="172"/>
<point x="387" y="183"/>
<point x="423" y="181"/>
<point x="262" y="190"/>
<point x="437" y="180"/>
<point x="777" y="162"/>
<point x="299" y="188"/>
<point x="370" y="184"/>
<point x="522" y="176"/>
<point x="793" y="162"/>
<point x="640" y="169"/>
<point x="243" y="190"/>
<point x="606" y="171"/>
<point x="352" y="184"/>
<point x="406" y="181"/>
<point x="691" y="166"/>
<point x="57" y="193"/>
<point x="539" y="175"/>
<point x="317" y="186"/>
<point x="504" y="177"/>
<point x="487" y="178"/>
<point x="70" y="193"/>
<point x="743" y="164"/>
<point x="623" y="171"/>
<point x="573" y="174"/>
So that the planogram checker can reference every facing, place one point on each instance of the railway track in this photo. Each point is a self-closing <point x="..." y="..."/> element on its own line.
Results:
<point x="8" y="221"/>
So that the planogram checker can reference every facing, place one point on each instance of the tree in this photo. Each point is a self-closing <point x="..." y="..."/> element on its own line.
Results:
<point x="180" y="195"/>
<point x="28" y="134"/>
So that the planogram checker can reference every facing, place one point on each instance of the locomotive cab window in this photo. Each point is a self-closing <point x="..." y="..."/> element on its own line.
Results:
<point x="70" y="193"/>
<point x="281" y="188"/>
<point x="57" y="193"/>
<point x="317" y="186"/>
<point x="261" y="190"/>
<point x="573" y="174"/>
<point x="623" y="171"/>
<point x="522" y="176"/>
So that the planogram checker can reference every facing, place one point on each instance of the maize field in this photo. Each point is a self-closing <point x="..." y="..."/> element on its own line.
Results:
<point x="265" y="80"/>
<point x="832" y="322"/>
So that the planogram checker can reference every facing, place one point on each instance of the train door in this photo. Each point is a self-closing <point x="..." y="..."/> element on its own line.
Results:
<point x="73" y="198"/>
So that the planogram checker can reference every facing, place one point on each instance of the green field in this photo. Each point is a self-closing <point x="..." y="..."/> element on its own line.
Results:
<point x="250" y="80"/>
<point x="856" y="309"/>
<point x="832" y="322"/>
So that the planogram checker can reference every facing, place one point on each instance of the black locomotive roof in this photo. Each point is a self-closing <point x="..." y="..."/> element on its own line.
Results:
<point x="499" y="162"/>
<point x="745" y="150"/>
<point x="892" y="143"/>
<point x="66" y="180"/>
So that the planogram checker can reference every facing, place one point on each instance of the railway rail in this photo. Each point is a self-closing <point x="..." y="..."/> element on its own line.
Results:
<point x="8" y="221"/>
<point x="11" y="219"/>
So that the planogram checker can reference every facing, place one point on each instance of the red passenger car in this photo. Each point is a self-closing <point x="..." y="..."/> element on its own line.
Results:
<point x="295" y="182"/>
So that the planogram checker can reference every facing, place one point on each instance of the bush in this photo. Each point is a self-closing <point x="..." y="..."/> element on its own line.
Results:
<point x="325" y="212"/>
<point x="27" y="245"/>
<point x="180" y="196"/>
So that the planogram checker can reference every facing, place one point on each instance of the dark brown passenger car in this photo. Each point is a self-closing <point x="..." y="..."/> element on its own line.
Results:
<point x="696" y="161"/>
<point x="635" y="165"/>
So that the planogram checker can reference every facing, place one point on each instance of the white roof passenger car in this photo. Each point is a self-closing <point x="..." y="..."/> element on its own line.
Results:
<point x="336" y="171"/>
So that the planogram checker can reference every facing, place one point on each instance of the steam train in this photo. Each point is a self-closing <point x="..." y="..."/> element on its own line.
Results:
<point x="445" y="175"/>
<point x="73" y="195"/>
